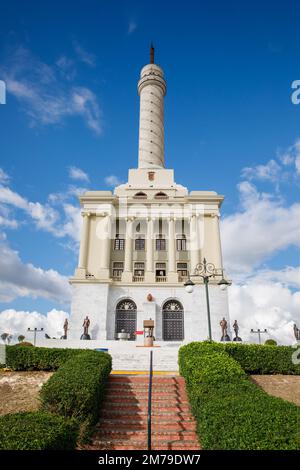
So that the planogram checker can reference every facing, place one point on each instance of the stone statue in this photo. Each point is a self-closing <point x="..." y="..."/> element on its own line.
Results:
<point x="223" y="324"/>
<point x="86" y="324"/>
<point x="236" y="328"/>
<point x="66" y="325"/>
<point x="296" y="332"/>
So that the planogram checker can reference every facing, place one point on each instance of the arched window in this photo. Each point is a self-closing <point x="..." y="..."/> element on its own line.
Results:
<point x="126" y="318"/>
<point x="173" y="321"/>
<point x="161" y="195"/>
<point x="140" y="195"/>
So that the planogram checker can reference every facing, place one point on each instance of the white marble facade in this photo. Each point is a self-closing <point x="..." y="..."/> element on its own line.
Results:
<point x="147" y="237"/>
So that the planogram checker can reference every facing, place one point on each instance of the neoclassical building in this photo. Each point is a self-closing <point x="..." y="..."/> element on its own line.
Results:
<point x="140" y="243"/>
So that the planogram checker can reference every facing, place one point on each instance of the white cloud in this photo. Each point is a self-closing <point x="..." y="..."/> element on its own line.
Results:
<point x="86" y="57"/>
<point x="291" y="156"/>
<point x="65" y="222"/>
<point x="46" y="97"/>
<point x="66" y="67"/>
<point x="112" y="181"/>
<point x="78" y="174"/>
<point x="18" y="279"/>
<point x="263" y="304"/>
<point x="44" y="216"/>
<point x="72" y="224"/>
<point x="263" y="227"/>
<point x="131" y="27"/>
<point x="18" y="322"/>
<point x="4" y="178"/>
<point x="269" y="172"/>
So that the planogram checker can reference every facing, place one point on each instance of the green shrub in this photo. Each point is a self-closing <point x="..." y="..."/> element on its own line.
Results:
<point x="36" y="431"/>
<point x="77" y="388"/>
<point x="264" y="359"/>
<point x="271" y="342"/>
<point x="231" y="411"/>
<point x="21" y="357"/>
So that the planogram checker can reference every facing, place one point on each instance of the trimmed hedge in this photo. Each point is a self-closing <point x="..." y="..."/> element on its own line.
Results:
<point x="36" y="431"/>
<point x="231" y="411"/>
<point x="70" y="399"/>
<point x="77" y="388"/>
<point x="19" y="357"/>
<point x="264" y="359"/>
<point x="253" y="358"/>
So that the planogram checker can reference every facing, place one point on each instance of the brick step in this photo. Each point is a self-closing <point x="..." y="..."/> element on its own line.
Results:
<point x="145" y="379"/>
<point x="136" y="406"/>
<point x="143" y="400"/>
<point x="157" y="415"/>
<point x="156" y="387"/>
<point x="156" y="445"/>
<point x="143" y="394"/>
<point x="130" y="435"/>
<point x="137" y="425"/>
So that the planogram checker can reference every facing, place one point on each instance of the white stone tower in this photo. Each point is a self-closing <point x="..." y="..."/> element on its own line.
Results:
<point x="152" y="89"/>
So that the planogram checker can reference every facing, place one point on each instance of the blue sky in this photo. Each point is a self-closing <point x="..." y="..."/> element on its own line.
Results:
<point x="230" y="126"/>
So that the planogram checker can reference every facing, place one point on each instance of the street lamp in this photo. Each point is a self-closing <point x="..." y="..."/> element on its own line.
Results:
<point x="259" y="332"/>
<point x="35" y="331"/>
<point x="206" y="271"/>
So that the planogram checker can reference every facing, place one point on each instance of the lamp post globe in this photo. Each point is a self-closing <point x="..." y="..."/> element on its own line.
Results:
<point x="223" y="284"/>
<point x="189" y="286"/>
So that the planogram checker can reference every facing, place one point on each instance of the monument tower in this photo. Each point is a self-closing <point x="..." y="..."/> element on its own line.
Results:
<point x="140" y="242"/>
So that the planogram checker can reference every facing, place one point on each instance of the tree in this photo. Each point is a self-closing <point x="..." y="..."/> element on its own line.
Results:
<point x="9" y="338"/>
<point x="4" y="337"/>
<point x="21" y="338"/>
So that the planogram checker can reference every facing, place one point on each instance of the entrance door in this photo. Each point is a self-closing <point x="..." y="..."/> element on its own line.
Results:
<point x="126" y="318"/>
<point x="173" y="324"/>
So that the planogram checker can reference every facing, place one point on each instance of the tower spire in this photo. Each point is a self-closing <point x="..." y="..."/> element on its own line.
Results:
<point x="151" y="53"/>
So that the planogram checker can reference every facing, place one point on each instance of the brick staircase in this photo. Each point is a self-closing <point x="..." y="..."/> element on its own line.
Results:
<point x="123" y="420"/>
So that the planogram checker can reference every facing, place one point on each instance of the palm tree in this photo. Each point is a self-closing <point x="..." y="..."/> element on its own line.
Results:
<point x="21" y="338"/>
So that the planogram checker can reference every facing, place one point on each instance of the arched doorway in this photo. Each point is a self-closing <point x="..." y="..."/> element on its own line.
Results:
<point x="173" y="321"/>
<point x="126" y="318"/>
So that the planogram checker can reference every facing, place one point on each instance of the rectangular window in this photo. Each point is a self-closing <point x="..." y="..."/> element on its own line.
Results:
<point x="160" y="243"/>
<point x="182" y="270"/>
<point x="117" y="270"/>
<point x="140" y="244"/>
<point x="119" y="244"/>
<point x="139" y="270"/>
<point x="181" y="243"/>
<point x="160" y="270"/>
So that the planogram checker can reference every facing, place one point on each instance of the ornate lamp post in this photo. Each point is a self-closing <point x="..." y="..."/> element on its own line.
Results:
<point x="206" y="271"/>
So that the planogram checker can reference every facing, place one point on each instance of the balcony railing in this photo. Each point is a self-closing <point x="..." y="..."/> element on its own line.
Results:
<point x="138" y="278"/>
<point x="117" y="278"/>
<point x="161" y="278"/>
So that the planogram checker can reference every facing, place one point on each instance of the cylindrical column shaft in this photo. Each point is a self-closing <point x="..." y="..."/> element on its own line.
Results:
<point x="128" y="246"/>
<point x="172" y="260"/>
<point x="84" y="241"/>
<point x="149" y="246"/>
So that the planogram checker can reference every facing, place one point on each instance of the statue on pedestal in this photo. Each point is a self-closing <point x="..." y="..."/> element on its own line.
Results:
<point x="223" y="324"/>
<point x="236" y="328"/>
<point x="86" y="324"/>
<point x="296" y="332"/>
<point x="65" y="327"/>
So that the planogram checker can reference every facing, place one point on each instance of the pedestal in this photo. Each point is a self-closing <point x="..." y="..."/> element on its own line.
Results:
<point x="85" y="337"/>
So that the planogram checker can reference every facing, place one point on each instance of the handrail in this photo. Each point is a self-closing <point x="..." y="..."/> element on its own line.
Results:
<point x="150" y="400"/>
